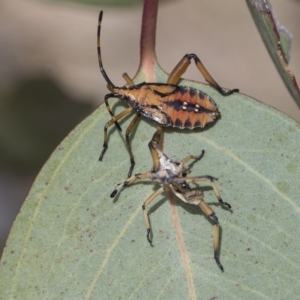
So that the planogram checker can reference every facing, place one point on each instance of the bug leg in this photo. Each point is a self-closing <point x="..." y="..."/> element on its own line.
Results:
<point x="216" y="230"/>
<point x="128" y="79"/>
<point x="187" y="170"/>
<point x="146" y="217"/>
<point x="182" y="66"/>
<point x="108" y="124"/>
<point x="128" y="131"/>
<point x="130" y="181"/>
<point x="153" y="144"/>
<point x="186" y="159"/>
<point x="194" y="196"/>
<point x="213" y="184"/>
<point x="109" y="110"/>
<point x="130" y="82"/>
<point x="217" y="193"/>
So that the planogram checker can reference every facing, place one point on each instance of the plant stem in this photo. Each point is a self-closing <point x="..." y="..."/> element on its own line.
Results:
<point x="147" y="43"/>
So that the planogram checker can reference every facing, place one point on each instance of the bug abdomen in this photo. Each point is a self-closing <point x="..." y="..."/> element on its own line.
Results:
<point x="189" y="108"/>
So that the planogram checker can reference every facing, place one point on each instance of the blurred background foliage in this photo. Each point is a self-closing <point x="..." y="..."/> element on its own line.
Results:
<point x="50" y="81"/>
<point x="38" y="114"/>
<point x="112" y="3"/>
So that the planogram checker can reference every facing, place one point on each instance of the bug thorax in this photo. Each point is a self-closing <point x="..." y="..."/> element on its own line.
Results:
<point x="168" y="164"/>
<point x="168" y="169"/>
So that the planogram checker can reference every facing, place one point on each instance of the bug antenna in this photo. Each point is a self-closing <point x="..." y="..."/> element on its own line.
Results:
<point x="99" y="52"/>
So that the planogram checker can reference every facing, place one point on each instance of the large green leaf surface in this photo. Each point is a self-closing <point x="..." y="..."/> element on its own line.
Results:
<point x="72" y="241"/>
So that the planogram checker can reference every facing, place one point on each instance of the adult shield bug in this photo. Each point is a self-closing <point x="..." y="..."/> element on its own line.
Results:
<point x="166" y="104"/>
<point x="171" y="176"/>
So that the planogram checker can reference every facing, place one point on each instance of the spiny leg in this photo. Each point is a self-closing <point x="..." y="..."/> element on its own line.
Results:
<point x="187" y="170"/>
<point x="128" y="79"/>
<point x="128" y="131"/>
<point x="212" y="182"/>
<point x="147" y="202"/>
<point x="196" y="197"/>
<point x="216" y="230"/>
<point x="130" y="82"/>
<point x="182" y="66"/>
<point x="108" y="124"/>
<point x="146" y="217"/>
<point x="196" y="158"/>
<point x="153" y="144"/>
<point x="111" y="113"/>
<point x="130" y="181"/>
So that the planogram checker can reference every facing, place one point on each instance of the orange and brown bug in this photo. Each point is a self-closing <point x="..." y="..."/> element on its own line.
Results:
<point x="166" y="104"/>
<point x="171" y="177"/>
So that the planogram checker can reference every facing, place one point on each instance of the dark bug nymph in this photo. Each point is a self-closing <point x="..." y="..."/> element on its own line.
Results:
<point x="171" y="177"/>
<point x="166" y="104"/>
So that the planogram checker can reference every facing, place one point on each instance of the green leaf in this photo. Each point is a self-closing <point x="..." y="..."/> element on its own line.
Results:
<point x="72" y="241"/>
<point x="277" y="40"/>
